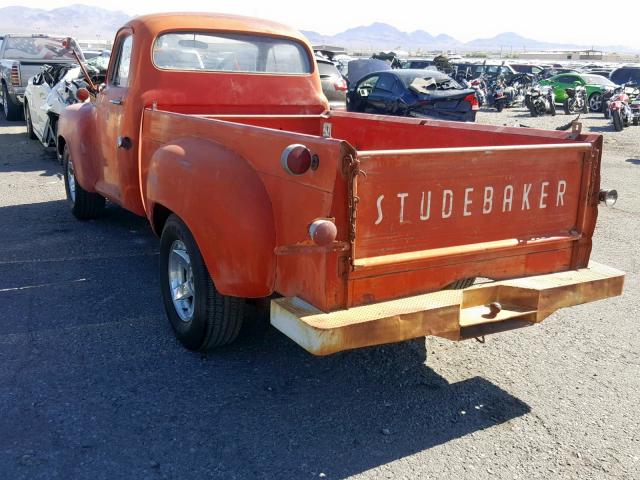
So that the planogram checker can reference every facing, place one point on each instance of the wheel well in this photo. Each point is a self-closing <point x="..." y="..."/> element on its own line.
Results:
<point x="160" y="216"/>
<point x="60" y="145"/>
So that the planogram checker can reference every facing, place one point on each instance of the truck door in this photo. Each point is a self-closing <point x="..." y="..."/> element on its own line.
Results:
<point x="118" y="151"/>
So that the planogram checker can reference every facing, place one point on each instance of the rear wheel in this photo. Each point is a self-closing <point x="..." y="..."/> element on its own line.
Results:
<point x="200" y="316"/>
<point x="11" y="109"/>
<point x="27" y="117"/>
<point x="568" y="106"/>
<point x="636" y="121"/>
<point x="84" y="205"/>
<point x="595" y="102"/>
<point x="617" y="120"/>
<point x="605" y="110"/>
<point x="552" y="108"/>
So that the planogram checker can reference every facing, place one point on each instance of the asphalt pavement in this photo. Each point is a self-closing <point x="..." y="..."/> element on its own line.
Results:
<point x="93" y="384"/>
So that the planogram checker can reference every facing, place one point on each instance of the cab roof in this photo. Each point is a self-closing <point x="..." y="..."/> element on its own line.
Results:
<point x="157" y="23"/>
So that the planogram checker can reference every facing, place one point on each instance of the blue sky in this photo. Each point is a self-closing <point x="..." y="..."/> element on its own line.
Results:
<point x="581" y="21"/>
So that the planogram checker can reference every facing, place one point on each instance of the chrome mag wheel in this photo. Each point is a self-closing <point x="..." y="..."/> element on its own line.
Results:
<point x="181" y="281"/>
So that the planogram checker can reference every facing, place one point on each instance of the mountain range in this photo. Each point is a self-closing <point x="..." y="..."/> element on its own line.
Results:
<point x="88" y="23"/>
<point x="384" y="36"/>
<point x="80" y="21"/>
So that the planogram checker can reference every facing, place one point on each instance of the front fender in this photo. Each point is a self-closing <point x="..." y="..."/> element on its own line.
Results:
<point x="77" y="130"/>
<point x="223" y="201"/>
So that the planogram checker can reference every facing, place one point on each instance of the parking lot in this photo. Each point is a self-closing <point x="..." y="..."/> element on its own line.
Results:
<point x="94" y="385"/>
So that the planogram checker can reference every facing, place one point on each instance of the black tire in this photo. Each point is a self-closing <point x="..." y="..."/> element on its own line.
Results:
<point x="533" y="111"/>
<point x="12" y="110"/>
<point x="84" y="205"/>
<point x="636" y="121"/>
<point x="27" y="118"/>
<point x="606" y="111"/>
<point x="552" y="109"/>
<point x="585" y="108"/>
<point x="499" y="106"/>
<point x="216" y="319"/>
<point x="460" y="284"/>
<point x="595" y="102"/>
<point x="617" y="121"/>
<point x="566" y="105"/>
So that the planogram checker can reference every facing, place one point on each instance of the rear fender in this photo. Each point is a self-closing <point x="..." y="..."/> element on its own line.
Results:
<point x="223" y="201"/>
<point x="76" y="130"/>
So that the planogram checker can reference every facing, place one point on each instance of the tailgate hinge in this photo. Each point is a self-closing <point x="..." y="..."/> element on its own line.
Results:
<point x="353" y="171"/>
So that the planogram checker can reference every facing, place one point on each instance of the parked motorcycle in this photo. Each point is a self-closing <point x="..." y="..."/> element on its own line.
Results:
<point x="540" y="100"/>
<point x="521" y="84"/>
<point x="500" y="95"/>
<point x="635" y="110"/>
<point x="619" y="109"/>
<point x="605" y="98"/>
<point x="480" y="86"/>
<point x="576" y="100"/>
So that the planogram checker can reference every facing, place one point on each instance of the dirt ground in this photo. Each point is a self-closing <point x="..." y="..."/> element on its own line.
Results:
<point x="93" y="384"/>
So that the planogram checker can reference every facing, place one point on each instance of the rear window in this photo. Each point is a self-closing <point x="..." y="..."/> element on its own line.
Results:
<point x="433" y="82"/>
<point x="327" y="70"/>
<point x="626" y="75"/>
<point x="36" y="48"/>
<point x="229" y="52"/>
<point x="597" y="80"/>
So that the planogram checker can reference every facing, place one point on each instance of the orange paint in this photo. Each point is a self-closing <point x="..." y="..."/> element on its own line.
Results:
<point x="438" y="201"/>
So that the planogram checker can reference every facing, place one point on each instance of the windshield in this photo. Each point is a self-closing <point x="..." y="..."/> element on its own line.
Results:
<point x="36" y="48"/>
<point x="597" y="80"/>
<point x="229" y="52"/>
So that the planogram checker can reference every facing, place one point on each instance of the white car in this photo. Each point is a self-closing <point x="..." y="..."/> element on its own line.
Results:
<point x="50" y="91"/>
<point x="43" y="101"/>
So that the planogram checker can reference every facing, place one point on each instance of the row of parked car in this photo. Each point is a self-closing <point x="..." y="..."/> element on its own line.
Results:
<point x="40" y="75"/>
<point x="387" y="85"/>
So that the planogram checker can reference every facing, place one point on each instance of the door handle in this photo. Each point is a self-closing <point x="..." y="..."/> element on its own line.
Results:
<point x="124" y="142"/>
<point x="116" y="101"/>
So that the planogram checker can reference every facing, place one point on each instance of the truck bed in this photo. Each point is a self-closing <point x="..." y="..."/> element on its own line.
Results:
<point x="435" y="202"/>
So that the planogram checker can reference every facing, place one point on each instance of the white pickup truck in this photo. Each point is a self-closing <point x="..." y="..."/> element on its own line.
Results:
<point x="21" y="57"/>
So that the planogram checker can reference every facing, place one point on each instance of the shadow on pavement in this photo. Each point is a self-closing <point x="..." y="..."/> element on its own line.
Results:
<point x="603" y="128"/>
<point x="634" y="161"/>
<point x="93" y="384"/>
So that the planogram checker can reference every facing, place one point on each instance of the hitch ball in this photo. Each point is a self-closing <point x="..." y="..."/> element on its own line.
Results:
<point x="608" y="197"/>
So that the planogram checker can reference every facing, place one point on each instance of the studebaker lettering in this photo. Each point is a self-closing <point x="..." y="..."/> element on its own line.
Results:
<point x="449" y="203"/>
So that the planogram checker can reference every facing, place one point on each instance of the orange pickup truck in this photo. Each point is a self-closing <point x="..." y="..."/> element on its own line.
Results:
<point x="352" y="229"/>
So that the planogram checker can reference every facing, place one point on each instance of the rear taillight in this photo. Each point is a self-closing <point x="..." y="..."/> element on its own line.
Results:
<point x="323" y="232"/>
<point x="296" y="159"/>
<point x="473" y="100"/>
<point x="340" y="85"/>
<point x="15" y="75"/>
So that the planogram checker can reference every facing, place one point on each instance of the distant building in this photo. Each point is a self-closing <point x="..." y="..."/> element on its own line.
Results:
<point x="583" y="55"/>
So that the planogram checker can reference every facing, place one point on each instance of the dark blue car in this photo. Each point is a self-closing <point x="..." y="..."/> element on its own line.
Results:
<point x="413" y="93"/>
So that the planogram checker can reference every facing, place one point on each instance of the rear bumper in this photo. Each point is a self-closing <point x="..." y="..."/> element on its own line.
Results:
<point x="452" y="314"/>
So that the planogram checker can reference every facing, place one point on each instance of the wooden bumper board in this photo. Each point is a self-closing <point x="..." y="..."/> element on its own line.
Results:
<point x="452" y="314"/>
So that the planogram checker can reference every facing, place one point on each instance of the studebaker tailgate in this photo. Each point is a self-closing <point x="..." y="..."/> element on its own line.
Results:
<point x="427" y="217"/>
